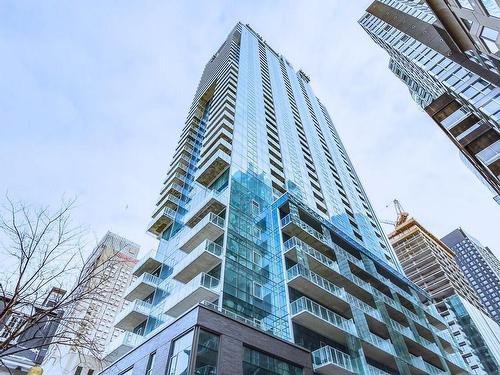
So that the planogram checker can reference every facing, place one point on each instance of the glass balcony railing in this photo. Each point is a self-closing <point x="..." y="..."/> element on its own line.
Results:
<point x="193" y="260"/>
<point x="361" y="283"/>
<point x="363" y="306"/>
<point x="122" y="344"/>
<point x="330" y="356"/>
<point x="138" y="306"/>
<point x="304" y="226"/>
<point x="184" y="293"/>
<point x="379" y="342"/>
<point x="304" y="304"/>
<point x="317" y="255"/>
<point x="417" y="362"/>
<point x="446" y="335"/>
<point x="402" y="329"/>
<point x="372" y="370"/>
<point x="429" y="345"/>
<point x="349" y="256"/>
<point x="299" y="270"/>
<point x="456" y="359"/>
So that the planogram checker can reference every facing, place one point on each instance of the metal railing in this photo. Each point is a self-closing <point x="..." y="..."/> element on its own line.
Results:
<point x="379" y="342"/>
<point x="320" y="257"/>
<point x="306" y="227"/>
<point x="328" y="355"/>
<point x="206" y="245"/>
<point x="305" y="304"/>
<point x="300" y="270"/>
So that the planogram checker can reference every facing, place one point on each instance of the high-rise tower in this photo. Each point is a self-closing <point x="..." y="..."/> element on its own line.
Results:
<point x="480" y="266"/>
<point x="263" y="217"/>
<point x="455" y="82"/>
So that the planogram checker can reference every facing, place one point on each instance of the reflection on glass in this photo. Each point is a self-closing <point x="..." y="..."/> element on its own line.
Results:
<point x="179" y="362"/>
<point x="206" y="354"/>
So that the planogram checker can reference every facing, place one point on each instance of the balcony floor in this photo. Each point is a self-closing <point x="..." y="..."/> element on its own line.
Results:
<point x="316" y="324"/>
<point x="209" y="231"/>
<point x="193" y="298"/>
<point x="205" y="262"/>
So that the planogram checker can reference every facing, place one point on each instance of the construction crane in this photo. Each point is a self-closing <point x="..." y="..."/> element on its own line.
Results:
<point x="401" y="214"/>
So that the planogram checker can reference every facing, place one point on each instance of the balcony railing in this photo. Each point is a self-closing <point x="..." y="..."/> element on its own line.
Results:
<point x="162" y="219"/>
<point x="372" y="370"/>
<point x="132" y="315"/>
<point x="202" y="287"/>
<point x="202" y="259"/>
<point x="349" y="256"/>
<point x="148" y="263"/>
<point x="361" y="283"/>
<point x="210" y="227"/>
<point x="317" y="255"/>
<point x="203" y="202"/>
<point x="363" y="307"/>
<point x="304" y="304"/>
<point x="304" y="226"/>
<point x="402" y="329"/>
<point x="327" y="355"/>
<point x="121" y="345"/>
<point x="143" y="286"/>
<point x="379" y="342"/>
<point x="299" y="270"/>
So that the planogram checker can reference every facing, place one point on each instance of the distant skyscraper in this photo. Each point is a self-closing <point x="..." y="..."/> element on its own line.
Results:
<point x="480" y="266"/>
<point x="430" y="264"/>
<point x="456" y="83"/>
<point x="263" y="217"/>
<point x="92" y="318"/>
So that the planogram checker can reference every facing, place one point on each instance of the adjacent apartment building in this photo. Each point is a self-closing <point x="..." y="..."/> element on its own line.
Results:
<point x="446" y="52"/>
<point x="430" y="264"/>
<point x="480" y="266"/>
<point x="112" y="261"/>
<point x="263" y="220"/>
<point x="28" y="342"/>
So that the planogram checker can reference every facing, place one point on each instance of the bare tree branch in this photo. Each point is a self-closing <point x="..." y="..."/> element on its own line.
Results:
<point x="45" y="250"/>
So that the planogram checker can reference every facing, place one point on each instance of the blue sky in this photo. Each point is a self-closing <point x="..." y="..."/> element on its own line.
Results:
<point x="93" y="95"/>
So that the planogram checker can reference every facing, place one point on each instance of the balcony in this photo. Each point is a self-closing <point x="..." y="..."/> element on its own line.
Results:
<point x="202" y="288"/>
<point x="213" y="168"/>
<point x="295" y="227"/>
<point x="435" y="318"/>
<point x="161" y="220"/>
<point x="456" y="362"/>
<point x="310" y="284"/>
<point x="372" y="370"/>
<point x="148" y="263"/>
<point x="209" y="228"/>
<point x="351" y="258"/>
<point x="132" y="315"/>
<point x="202" y="259"/>
<point x="171" y="201"/>
<point x="317" y="318"/>
<point x="318" y="262"/>
<point x="142" y="287"/>
<point x="206" y="202"/>
<point x="331" y="361"/>
<point x="405" y="331"/>
<point x="120" y="346"/>
<point x="377" y="347"/>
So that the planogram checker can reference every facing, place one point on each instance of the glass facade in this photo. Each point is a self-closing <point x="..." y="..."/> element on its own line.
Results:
<point x="481" y="268"/>
<point x="255" y="362"/>
<point x="263" y="216"/>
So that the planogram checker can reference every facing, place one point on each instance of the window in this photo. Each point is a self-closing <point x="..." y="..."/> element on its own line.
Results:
<point x="181" y="353"/>
<point x="257" y="290"/>
<point x="151" y="362"/>
<point x="207" y="354"/>
<point x="255" y="362"/>
<point x="489" y="37"/>
<point x="78" y="370"/>
<point x="90" y="372"/>
<point x="257" y="258"/>
<point x="491" y="7"/>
